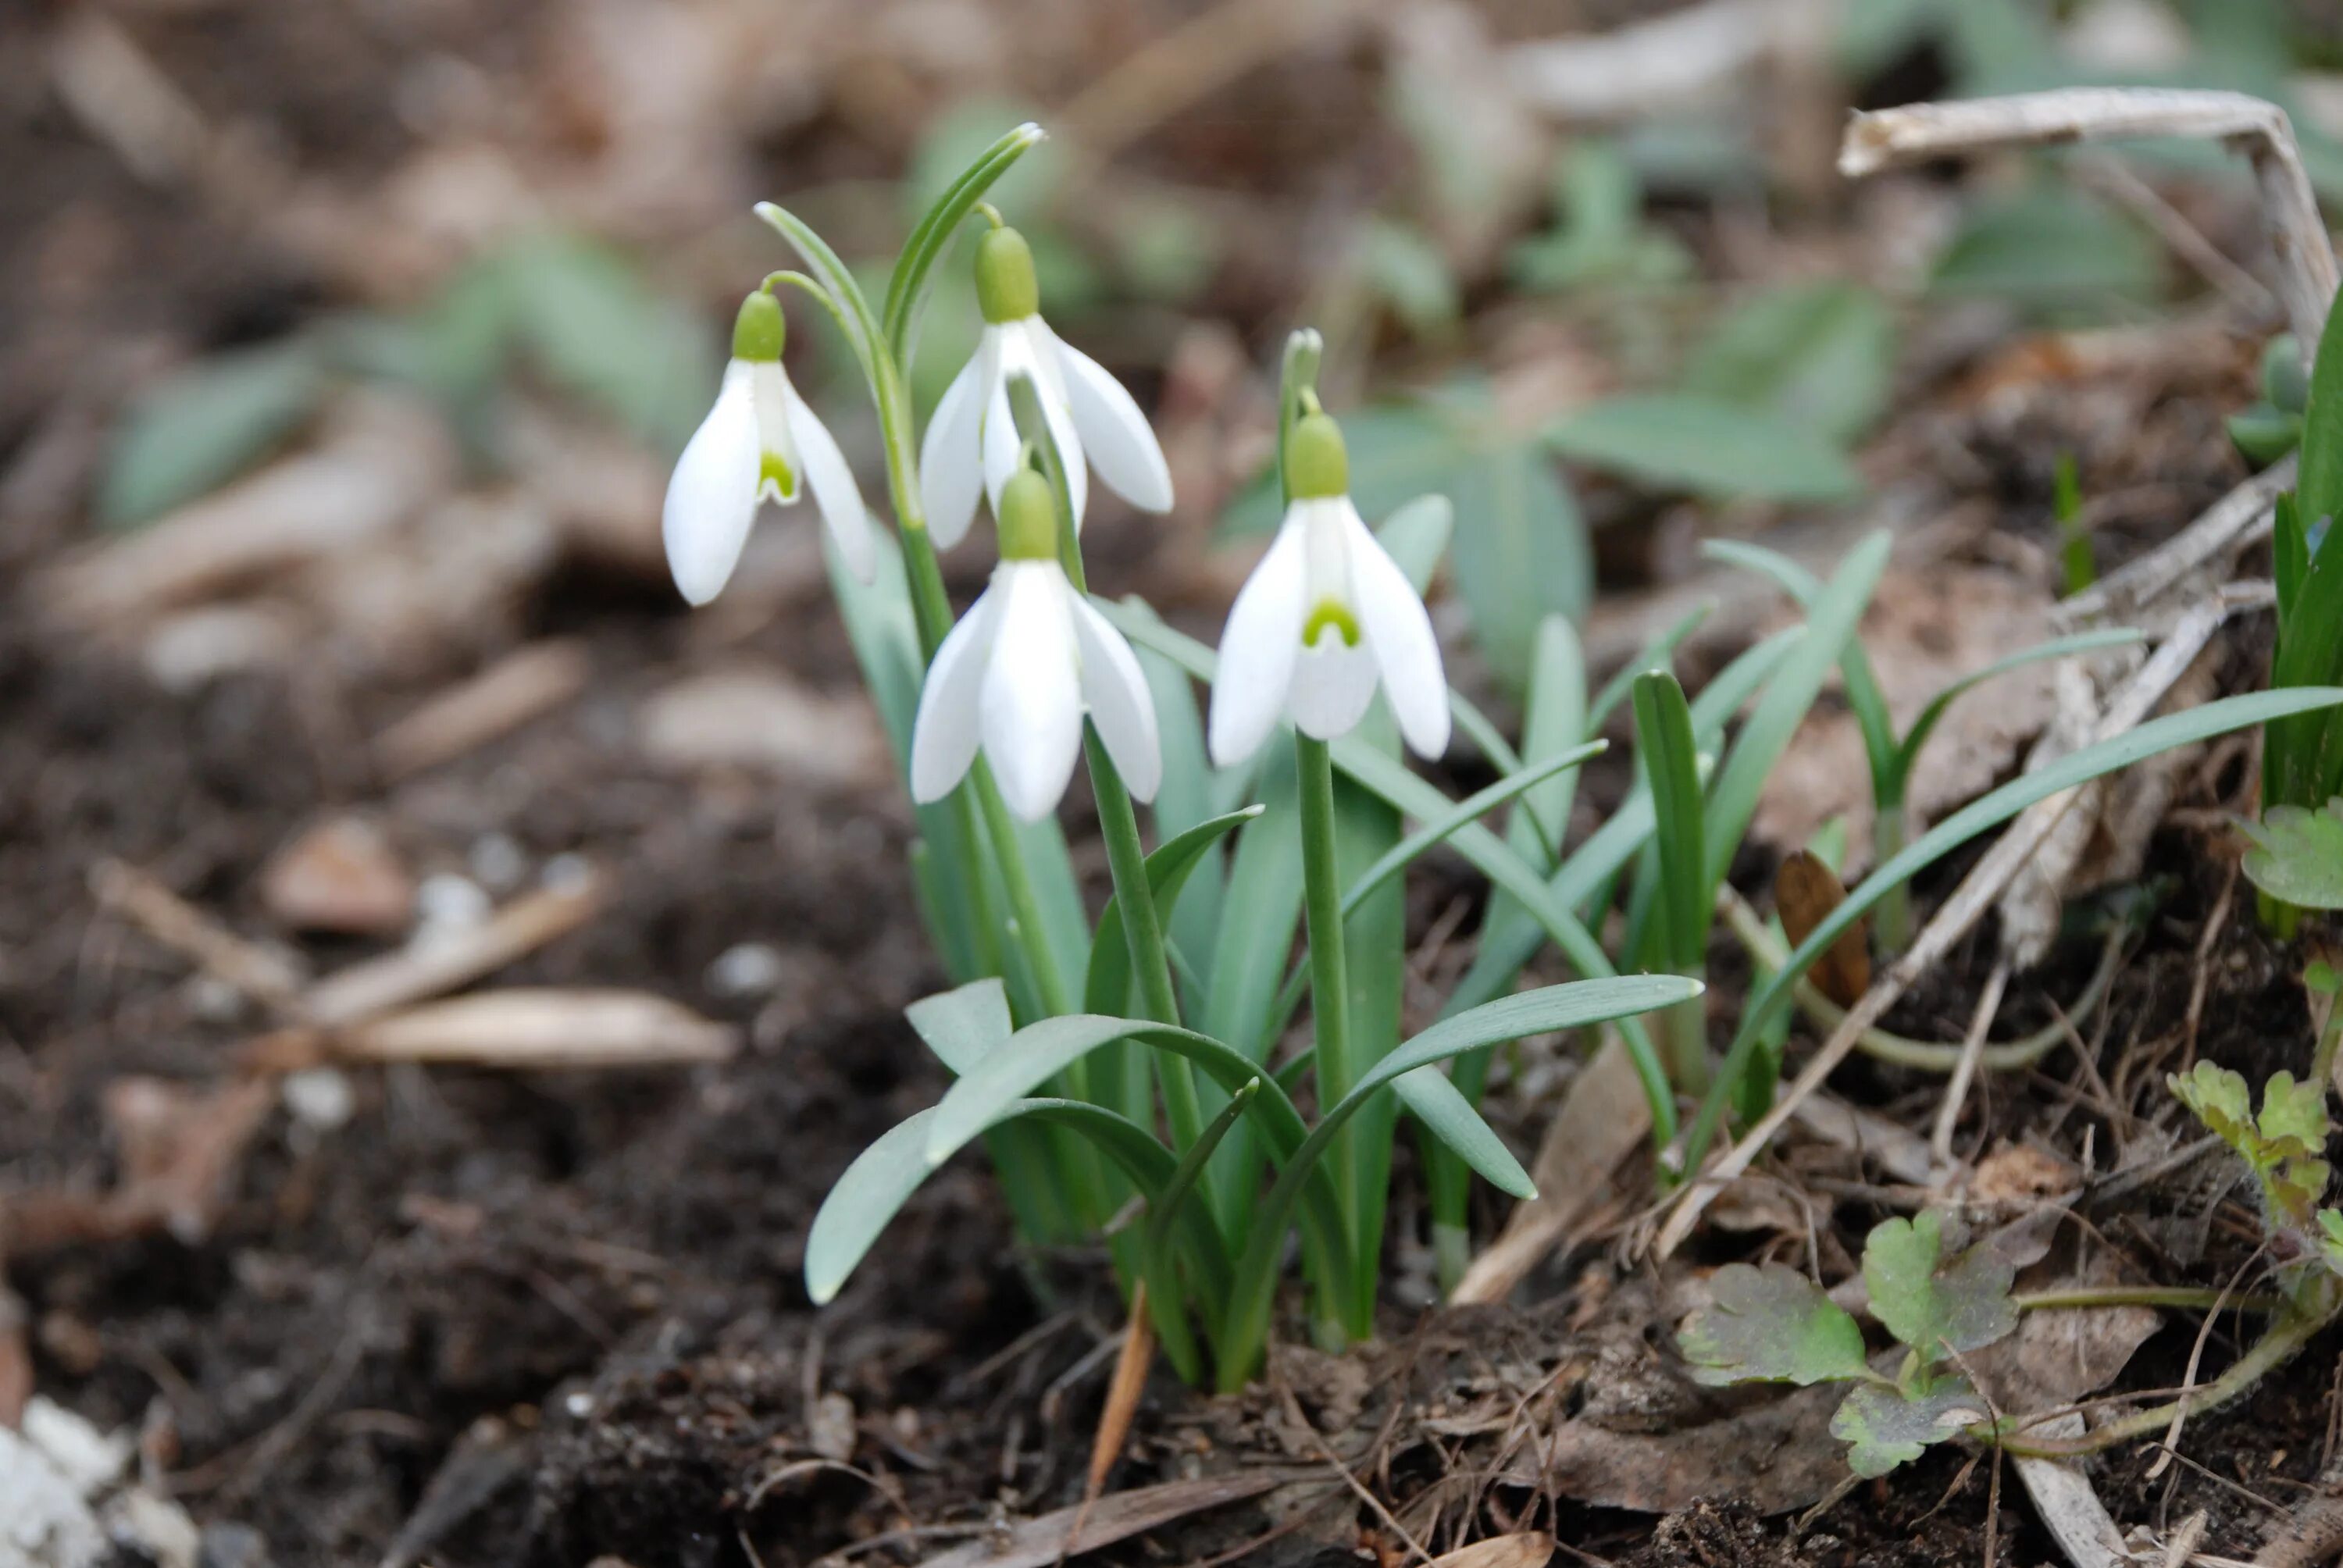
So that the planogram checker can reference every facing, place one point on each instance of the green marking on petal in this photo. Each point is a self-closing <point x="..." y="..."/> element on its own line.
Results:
<point x="1334" y="613"/>
<point x="774" y="469"/>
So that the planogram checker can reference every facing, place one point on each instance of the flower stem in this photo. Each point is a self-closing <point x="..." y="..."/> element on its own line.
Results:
<point x="1143" y="927"/>
<point x="2186" y="1298"/>
<point x="1330" y="990"/>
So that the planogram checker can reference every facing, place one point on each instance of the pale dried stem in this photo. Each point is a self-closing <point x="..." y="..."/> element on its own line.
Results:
<point x="1967" y="905"/>
<point x="1948" y="1113"/>
<point x="1891" y="138"/>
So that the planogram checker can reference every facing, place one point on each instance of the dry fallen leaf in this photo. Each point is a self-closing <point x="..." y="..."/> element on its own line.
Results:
<point x="341" y="875"/>
<point x="1805" y="892"/>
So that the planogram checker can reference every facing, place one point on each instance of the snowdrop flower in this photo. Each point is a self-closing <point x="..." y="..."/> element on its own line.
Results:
<point x="1324" y="618"/>
<point x="758" y="440"/>
<point x="971" y="443"/>
<point x="1022" y="667"/>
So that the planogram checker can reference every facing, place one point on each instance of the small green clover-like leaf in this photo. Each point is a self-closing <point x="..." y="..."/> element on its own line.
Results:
<point x="2298" y="854"/>
<point x="1771" y="1325"/>
<point x="2330" y="1237"/>
<point x="1884" y="1428"/>
<point x="2293" y="1114"/>
<point x="2283" y="1147"/>
<point x="2221" y="1101"/>
<point x="1963" y="1305"/>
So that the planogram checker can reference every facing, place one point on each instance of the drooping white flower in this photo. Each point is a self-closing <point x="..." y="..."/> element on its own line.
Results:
<point x="971" y="444"/>
<point x="1325" y="618"/>
<point x="1023" y="666"/>
<point x="759" y="442"/>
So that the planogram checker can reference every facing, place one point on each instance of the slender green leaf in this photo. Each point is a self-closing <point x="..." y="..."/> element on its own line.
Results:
<point x="2054" y="249"/>
<point x="1449" y="1116"/>
<point x="2290" y="556"/>
<point x="907" y="287"/>
<point x="1863" y="698"/>
<point x="1547" y="1009"/>
<point x="1907" y="752"/>
<point x="1817" y="354"/>
<point x="1657" y="654"/>
<point x="1831" y="621"/>
<point x="591" y="318"/>
<point x="883" y="1177"/>
<point x="1671" y="766"/>
<point x="1678" y="441"/>
<point x="1521" y="552"/>
<point x="1107" y="987"/>
<point x="964" y="1026"/>
<point x="205" y="425"/>
<point x="2319" y="488"/>
<point x="1990" y="810"/>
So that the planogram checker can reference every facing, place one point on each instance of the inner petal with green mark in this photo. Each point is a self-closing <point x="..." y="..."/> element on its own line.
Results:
<point x="1331" y="613"/>
<point x="775" y="475"/>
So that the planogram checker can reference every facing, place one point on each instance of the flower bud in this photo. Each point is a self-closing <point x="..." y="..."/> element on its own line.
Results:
<point x="1028" y="518"/>
<point x="1317" y="465"/>
<point x="759" y="330"/>
<point x="1005" y="286"/>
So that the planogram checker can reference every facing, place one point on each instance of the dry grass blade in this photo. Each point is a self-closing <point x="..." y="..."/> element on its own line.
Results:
<point x="413" y="974"/>
<point x="1122" y="1393"/>
<point x="528" y="1027"/>
<point x="523" y="684"/>
<point x="1948" y="1112"/>
<point x="257" y="971"/>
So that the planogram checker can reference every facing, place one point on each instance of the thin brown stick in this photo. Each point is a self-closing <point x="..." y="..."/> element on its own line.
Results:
<point x="142" y="900"/>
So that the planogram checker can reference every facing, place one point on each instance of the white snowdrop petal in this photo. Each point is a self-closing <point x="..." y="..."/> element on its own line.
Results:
<point x="1333" y="686"/>
<point x="948" y="726"/>
<point x="711" y="497"/>
<point x="834" y="489"/>
<point x="1031" y="703"/>
<point x="1398" y="633"/>
<point x="771" y="393"/>
<point x="951" y="475"/>
<point x="1115" y="691"/>
<point x="1002" y="447"/>
<point x="1116" y="436"/>
<point x="1258" y="650"/>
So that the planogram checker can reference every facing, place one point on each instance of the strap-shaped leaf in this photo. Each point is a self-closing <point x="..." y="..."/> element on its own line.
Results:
<point x="1041" y="1050"/>
<point x="1448" y="1116"/>
<point x="1863" y="698"/>
<point x="1671" y="766"/>
<point x="1924" y="724"/>
<point x="932" y="235"/>
<point x="1990" y="810"/>
<point x="964" y="1026"/>
<point x="1106" y="988"/>
<point x="883" y="1177"/>
<point x="1546" y="1010"/>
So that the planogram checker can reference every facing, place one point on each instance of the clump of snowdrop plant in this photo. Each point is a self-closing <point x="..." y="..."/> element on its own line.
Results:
<point x="1141" y="1056"/>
